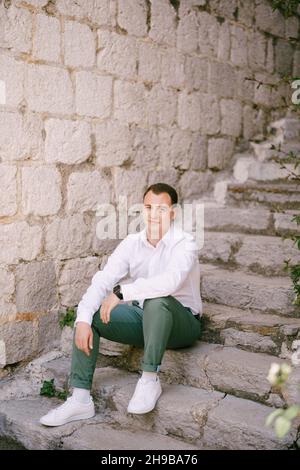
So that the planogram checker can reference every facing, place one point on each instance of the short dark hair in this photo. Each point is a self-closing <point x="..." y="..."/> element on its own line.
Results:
<point x="158" y="188"/>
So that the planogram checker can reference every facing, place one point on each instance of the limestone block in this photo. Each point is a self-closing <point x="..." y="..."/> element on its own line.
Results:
<point x="46" y="40"/>
<point x="36" y="286"/>
<point x="93" y="94"/>
<point x="67" y="141"/>
<point x="113" y="143"/>
<point x="8" y="190"/>
<point x="117" y="54"/>
<point x="163" y="22"/>
<point x="41" y="192"/>
<point x="161" y="106"/>
<point x="86" y="191"/>
<point x="18" y="341"/>
<point x="75" y="35"/>
<point x="149" y="62"/>
<point x="132" y="16"/>
<point x="68" y="237"/>
<point x="12" y="73"/>
<point x="21" y="241"/>
<point x="129" y="100"/>
<point x="48" y="89"/>
<point x="75" y="277"/>
<point x="26" y="140"/>
<point x="220" y="152"/>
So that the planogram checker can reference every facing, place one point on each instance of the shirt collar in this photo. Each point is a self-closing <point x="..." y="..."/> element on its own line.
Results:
<point x="166" y="238"/>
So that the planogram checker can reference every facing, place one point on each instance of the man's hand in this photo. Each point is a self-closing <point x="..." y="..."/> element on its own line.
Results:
<point x="84" y="337"/>
<point x="107" y="305"/>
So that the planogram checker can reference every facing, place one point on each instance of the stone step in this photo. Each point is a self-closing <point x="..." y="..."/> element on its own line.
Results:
<point x="243" y="290"/>
<point x="251" y="331"/>
<point x="194" y="416"/>
<point x="248" y="168"/>
<point x="287" y="129"/>
<point x="263" y="221"/>
<point x="19" y="419"/>
<point x="213" y="367"/>
<point x="275" y="149"/>
<point x="277" y="196"/>
<point x="257" y="253"/>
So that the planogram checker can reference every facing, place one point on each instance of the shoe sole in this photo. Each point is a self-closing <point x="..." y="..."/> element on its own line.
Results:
<point x="72" y="418"/>
<point x="147" y="410"/>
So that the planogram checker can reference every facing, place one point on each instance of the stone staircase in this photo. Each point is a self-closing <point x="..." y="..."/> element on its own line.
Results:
<point x="215" y="394"/>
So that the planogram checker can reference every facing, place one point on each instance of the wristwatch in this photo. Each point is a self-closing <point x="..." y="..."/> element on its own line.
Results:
<point x="117" y="291"/>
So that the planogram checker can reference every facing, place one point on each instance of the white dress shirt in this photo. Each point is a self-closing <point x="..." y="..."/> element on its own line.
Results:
<point x="170" y="268"/>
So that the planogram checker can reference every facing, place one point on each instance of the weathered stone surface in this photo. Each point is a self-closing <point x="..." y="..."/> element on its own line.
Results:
<point x="26" y="140"/>
<point x="68" y="237"/>
<point x="87" y="191"/>
<point x="104" y="437"/>
<point x="161" y="106"/>
<point x="75" y="35"/>
<point x="113" y="143"/>
<point x="49" y="332"/>
<point x="7" y="288"/>
<point x="231" y="112"/>
<point x="252" y="341"/>
<point x="41" y="191"/>
<point x="163" y="23"/>
<point x="184" y="149"/>
<point x="219" y="248"/>
<point x="25" y="414"/>
<point x="18" y="340"/>
<point x="48" y="89"/>
<point x="129" y="99"/>
<point x="271" y="295"/>
<point x="220" y="151"/>
<point x="46" y="40"/>
<point x="283" y="223"/>
<point x="266" y="254"/>
<point x="235" y="219"/>
<point x="12" y="73"/>
<point x="67" y="141"/>
<point x="187" y="32"/>
<point x="149" y="62"/>
<point x="123" y="183"/>
<point x="132" y="16"/>
<point x="117" y="54"/>
<point x="93" y="94"/>
<point x="36" y="286"/>
<point x="21" y="241"/>
<point x="16" y="29"/>
<point x="8" y="190"/>
<point x="227" y="416"/>
<point x="99" y="13"/>
<point x="74" y="279"/>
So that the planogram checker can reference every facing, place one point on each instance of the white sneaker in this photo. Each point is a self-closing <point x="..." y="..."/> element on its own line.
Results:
<point x="145" y="396"/>
<point x="71" y="410"/>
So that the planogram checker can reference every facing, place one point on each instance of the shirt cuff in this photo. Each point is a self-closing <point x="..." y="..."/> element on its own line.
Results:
<point x="126" y="291"/>
<point x="84" y="317"/>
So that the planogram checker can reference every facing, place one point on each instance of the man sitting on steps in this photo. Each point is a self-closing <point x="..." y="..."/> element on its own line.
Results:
<point x="165" y="313"/>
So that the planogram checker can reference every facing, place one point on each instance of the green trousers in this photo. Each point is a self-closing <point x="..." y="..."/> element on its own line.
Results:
<point x="163" y="323"/>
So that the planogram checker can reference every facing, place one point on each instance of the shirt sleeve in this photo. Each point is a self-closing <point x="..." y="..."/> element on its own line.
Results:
<point x="117" y="266"/>
<point x="183" y="257"/>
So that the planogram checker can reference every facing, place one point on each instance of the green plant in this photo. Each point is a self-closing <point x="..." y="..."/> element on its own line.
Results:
<point x="69" y="317"/>
<point x="281" y="418"/>
<point x="286" y="7"/>
<point x="48" y="389"/>
<point x="292" y="269"/>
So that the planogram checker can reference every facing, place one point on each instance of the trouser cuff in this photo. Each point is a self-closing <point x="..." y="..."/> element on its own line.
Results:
<point x="150" y="367"/>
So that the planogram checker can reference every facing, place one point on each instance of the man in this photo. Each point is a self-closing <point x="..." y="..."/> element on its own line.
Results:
<point x="165" y="312"/>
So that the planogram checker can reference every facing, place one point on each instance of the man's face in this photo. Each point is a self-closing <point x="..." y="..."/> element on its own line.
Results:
<point x="157" y="213"/>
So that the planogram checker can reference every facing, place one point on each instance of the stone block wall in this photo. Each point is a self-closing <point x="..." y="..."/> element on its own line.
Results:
<point x="99" y="99"/>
